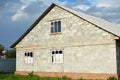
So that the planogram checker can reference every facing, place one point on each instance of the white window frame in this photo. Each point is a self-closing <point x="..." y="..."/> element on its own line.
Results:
<point x="28" y="57"/>
<point x="57" y="57"/>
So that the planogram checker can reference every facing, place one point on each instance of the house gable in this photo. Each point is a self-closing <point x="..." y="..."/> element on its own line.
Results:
<point x="103" y="24"/>
<point x="75" y="31"/>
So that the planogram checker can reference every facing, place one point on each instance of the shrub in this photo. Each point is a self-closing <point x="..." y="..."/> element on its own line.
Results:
<point x="65" y="78"/>
<point x="30" y="74"/>
<point x="111" y="78"/>
<point x="83" y="79"/>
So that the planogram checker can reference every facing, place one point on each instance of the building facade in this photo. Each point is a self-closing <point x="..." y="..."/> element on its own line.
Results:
<point x="62" y="43"/>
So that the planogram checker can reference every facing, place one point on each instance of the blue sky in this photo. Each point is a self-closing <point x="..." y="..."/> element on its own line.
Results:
<point x="16" y="16"/>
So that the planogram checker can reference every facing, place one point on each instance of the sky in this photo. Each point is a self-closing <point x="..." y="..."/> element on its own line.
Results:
<point x="16" y="16"/>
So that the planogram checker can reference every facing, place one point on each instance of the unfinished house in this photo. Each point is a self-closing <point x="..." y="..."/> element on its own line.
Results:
<point x="65" y="42"/>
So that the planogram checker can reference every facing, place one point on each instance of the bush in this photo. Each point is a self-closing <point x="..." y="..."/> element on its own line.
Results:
<point x="111" y="78"/>
<point x="65" y="78"/>
<point x="11" y="53"/>
<point x="84" y="79"/>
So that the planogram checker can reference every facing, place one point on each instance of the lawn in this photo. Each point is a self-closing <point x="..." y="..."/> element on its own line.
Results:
<point x="29" y="77"/>
<point x="35" y="77"/>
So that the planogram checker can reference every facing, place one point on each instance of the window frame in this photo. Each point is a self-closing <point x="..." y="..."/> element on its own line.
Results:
<point x="52" y="57"/>
<point x="28" y="57"/>
<point x="55" y="27"/>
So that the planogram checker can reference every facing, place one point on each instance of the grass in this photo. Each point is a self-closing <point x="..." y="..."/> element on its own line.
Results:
<point x="12" y="76"/>
<point x="29" y="77"/>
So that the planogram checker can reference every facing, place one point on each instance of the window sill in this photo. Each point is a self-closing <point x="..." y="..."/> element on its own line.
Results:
<point x="57" y="33"/>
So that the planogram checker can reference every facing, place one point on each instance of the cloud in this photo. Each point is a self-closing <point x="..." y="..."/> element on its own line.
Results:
<point x="28" y="1"/>
<point x="48" y="2"/>
<point x="26" y="9"/>
<point x="20" y="14"/>
<point x="107" y="3"/>
<point x="81" y="7"/>
<point x="106" y="9"/>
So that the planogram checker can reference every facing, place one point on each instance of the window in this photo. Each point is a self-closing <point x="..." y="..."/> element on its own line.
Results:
<point x="55" y="26"/>
<point x="57" y="56"/>
<point x="29" y="57"/>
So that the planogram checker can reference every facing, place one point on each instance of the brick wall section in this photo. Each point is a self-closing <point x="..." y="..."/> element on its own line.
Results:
<point x="71" y="75"/>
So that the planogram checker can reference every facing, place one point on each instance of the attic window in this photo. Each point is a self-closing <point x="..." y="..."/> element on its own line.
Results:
<point x="55" y="26"/>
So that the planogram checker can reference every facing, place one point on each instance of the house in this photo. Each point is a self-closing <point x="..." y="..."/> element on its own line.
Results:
<point x="64" y="42"/>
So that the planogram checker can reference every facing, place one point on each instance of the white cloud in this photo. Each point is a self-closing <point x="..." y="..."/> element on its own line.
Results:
<point x="104" y="3"/>
<point x="107" y="3"/>
<point x="20" y="16"/>
<point x="12" y="7"/>
<point x="107" y="9"/>
<point x="81" y="7"/>
<point x="28" y="2"/>
<point x="20" y="13"/>
<point x="48" y="2"/>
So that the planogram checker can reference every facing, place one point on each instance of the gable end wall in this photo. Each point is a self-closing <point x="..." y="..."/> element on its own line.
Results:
<point x="87" y="48"/>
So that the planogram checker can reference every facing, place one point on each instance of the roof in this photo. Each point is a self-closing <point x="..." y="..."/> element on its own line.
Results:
<point x="113" y="29"/>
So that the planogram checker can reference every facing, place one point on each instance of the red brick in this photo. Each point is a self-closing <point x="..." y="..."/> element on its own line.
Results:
<point x="71" y="75"/>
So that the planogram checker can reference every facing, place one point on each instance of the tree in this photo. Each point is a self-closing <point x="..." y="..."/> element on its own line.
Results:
<point x="11" y="53"/>
<point x="1" y="47"/>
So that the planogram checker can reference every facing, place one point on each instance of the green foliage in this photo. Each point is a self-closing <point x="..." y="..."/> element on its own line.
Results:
<point x="111" y="78"/>
<point x="31" y="76"/>
<point x="66" y="78"/>
<point x="83" y="79"/>
<point x="11" y="53"/>
<point x="1" y="47"/>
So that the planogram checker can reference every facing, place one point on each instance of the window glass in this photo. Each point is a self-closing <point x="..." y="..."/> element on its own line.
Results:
<point x="52" y="52"/>
<point x="31" y="54"/>
<point x="52" y="27"/>
<point x="59" y="26"/>
<point x="55" y="26"/>
<point x="25" y="54"/>
<point x="60" y="52"/>
<point x="56" y="52"/>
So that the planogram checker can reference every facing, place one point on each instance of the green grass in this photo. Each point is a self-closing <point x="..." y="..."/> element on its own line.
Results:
<point x="29" y="77"/>
<point x="12" y="76"/>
